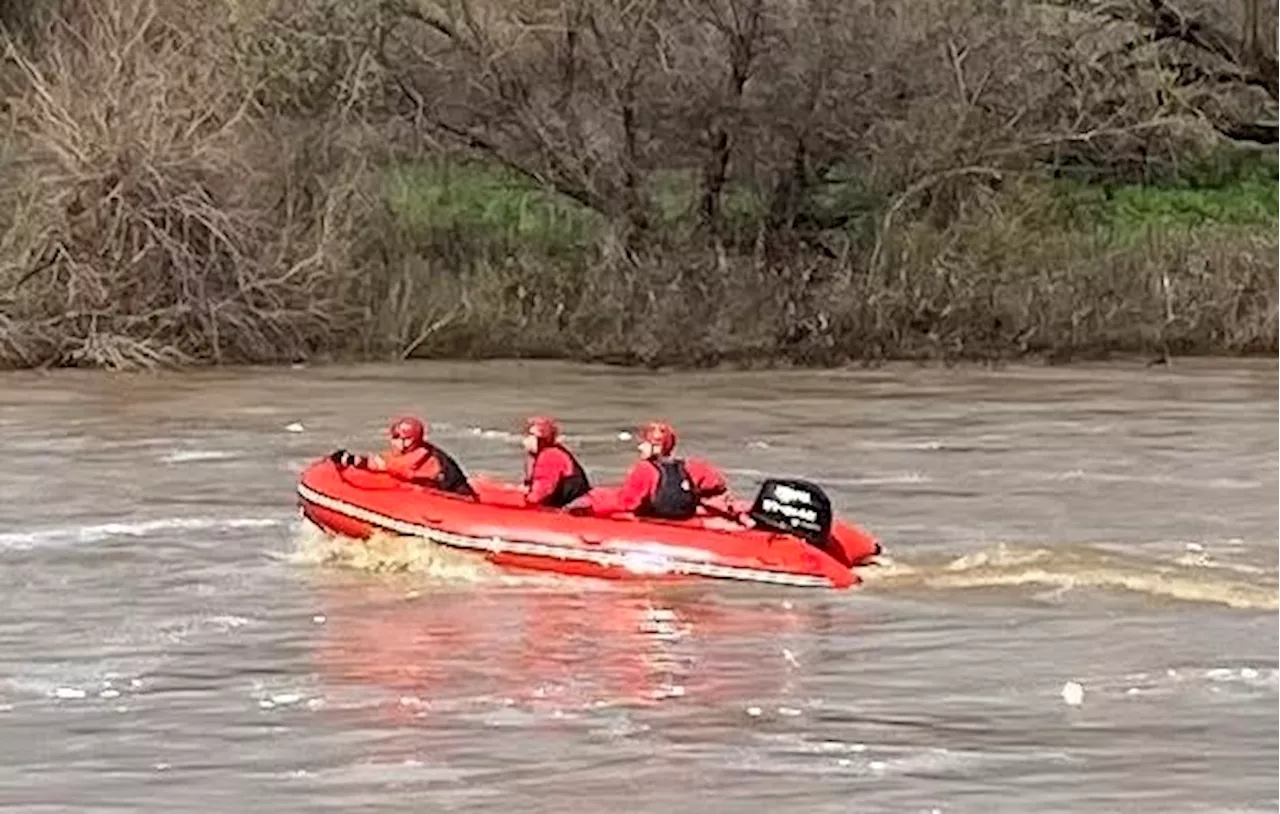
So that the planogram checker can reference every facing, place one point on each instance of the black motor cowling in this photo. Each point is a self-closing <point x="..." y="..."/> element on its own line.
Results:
<point x="794" y="507"/>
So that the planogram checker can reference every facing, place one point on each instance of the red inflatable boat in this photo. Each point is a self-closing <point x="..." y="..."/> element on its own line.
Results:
<point x="795" y="542"/>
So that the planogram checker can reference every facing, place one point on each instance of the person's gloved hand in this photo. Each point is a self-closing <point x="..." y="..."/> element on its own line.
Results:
<point x="580" y="505"/>
<point x="343" y="458"/>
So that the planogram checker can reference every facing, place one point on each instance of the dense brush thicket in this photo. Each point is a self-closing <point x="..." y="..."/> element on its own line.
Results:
<point x="650" y="181"/>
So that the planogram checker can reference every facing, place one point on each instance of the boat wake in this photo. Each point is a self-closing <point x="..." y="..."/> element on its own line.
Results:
<point x="386" y="553"/>
<point x="1188" y="578"/>
<point x="1197" y="578"/>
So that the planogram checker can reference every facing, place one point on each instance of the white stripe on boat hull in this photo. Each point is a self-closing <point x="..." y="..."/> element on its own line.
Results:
<point x="635" y="562"/>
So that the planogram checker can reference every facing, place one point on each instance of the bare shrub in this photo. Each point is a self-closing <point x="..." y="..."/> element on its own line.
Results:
<point x="1218" y="57"/>
<point x="156" y="217"/>
<point x="555" y="91"/>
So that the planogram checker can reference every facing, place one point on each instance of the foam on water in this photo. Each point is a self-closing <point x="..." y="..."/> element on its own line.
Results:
<point x="98" y="532"/>
<point x="387" y="553"/>
<point x="791" y="753"/>
<point x="195" y="456"/>
<point x="888" y="478"/>
<point x="508" y="437"/>
<point x="1070" y="567"/>
<point x="1155" y="480"/>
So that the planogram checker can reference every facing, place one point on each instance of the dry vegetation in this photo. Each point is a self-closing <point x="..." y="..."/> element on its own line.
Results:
<point x="651" y="181"/>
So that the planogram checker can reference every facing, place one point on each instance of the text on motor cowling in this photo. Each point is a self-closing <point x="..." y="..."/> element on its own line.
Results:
<point x="792" y="512"/>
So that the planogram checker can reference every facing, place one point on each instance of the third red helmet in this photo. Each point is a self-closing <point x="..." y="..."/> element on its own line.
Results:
<point x="660" y="434"/>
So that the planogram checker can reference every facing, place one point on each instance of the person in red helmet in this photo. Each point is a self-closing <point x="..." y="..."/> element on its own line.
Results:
<point x="658" y="485"/>
<point x="553" y="477"/>
<point x="413" y="459"/>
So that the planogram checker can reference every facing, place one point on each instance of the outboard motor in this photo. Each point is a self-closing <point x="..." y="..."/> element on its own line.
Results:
<point x="794" y="507"/>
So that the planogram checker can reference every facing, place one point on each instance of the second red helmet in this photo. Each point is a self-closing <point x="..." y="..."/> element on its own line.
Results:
<point x="544" y="428"/>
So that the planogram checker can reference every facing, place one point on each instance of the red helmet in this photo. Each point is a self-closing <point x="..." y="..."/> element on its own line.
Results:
<point x="660" y="434"/>
<point x="410" y="428"/>
<point x="545" y="429"/>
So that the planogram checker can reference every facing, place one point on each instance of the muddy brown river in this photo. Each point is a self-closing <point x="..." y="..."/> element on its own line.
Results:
<point x="1079" y="612"/>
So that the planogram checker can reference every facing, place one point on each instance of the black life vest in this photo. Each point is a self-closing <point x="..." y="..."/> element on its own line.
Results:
<point x="451" y="477"/>
<point x="674" y="498"/>
<point x="570" y="487"/>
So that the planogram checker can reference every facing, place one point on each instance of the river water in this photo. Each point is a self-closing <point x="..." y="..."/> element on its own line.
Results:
<point x="173" y="638"/>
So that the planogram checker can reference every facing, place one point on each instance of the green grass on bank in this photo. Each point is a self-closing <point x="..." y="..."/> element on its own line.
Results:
<point x="487" y="204"/>
<point x="492" y="205"/>
<point x="1239" y="193"/>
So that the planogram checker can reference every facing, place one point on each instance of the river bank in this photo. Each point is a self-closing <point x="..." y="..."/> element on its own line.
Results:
<point x="457" y="262"/>
<point x="482" y="284"/>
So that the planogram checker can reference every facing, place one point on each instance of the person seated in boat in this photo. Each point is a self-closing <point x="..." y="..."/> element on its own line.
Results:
<point x="658" y="485"/>
<point x="553" y="476"/>
<point x="412" y="458"/>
